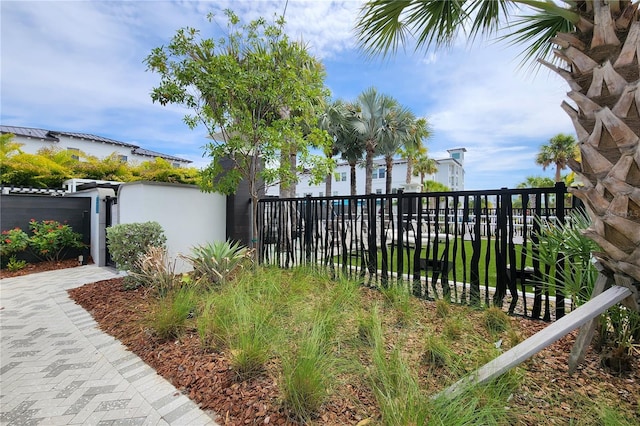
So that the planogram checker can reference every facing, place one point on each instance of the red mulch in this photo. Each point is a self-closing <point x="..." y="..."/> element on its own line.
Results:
<point x="206" y="377"/>
<point x="32" y="268"/>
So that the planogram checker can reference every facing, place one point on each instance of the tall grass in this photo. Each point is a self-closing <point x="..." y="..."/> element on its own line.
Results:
<point x="306" y="371"/>
<point x="169" y="315"/>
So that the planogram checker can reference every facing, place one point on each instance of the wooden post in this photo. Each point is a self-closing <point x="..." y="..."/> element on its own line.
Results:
<point x="540" y="340"/>
<point x="586" y="331"/>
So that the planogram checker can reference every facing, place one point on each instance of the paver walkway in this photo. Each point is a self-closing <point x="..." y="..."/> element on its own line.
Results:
<point x="58" y="368"/>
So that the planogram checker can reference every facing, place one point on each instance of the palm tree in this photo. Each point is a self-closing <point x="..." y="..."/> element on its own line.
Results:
<point x="558" y="151"/>
<point x="413" y="147"/>
<point x="596" y="52"/>
<point x="351" y="149"/>
<point x="334" y="121"/>
<point x="536" y="182"/>
<point x="400" y="124"/>
<point x="372" y="116"/>
<point x="425" y="166"/>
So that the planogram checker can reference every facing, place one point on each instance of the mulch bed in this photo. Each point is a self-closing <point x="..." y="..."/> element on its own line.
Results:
<point x="32" y="268"/>
<point x="206" y="377"/>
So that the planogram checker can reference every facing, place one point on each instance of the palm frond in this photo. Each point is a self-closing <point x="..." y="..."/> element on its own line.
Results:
<point x="379" y="26"/>
<point x="488" y="16"/>
<point x="536" y="31"/>
<point x="436" y="23"/>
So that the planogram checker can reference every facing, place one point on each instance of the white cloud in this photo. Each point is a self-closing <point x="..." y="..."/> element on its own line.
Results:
<point x="79" y="66"/>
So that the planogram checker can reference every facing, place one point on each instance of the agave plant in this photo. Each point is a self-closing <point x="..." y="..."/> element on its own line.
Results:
<point x="217" y="262"/>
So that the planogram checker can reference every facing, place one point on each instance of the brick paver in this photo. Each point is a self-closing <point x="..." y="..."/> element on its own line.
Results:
<point x="58" y="368"/>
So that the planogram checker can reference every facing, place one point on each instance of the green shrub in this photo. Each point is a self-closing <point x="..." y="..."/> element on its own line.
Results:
<point x="15" y="265"/>
<point x="128" y="241"/>
<point x="216" y="263"/>
<point x="50" y="239"/>
<point x="13" y="241"/>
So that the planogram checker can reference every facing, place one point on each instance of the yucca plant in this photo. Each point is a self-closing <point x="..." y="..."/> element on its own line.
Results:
<point x="567" y="241"/>
<point x="217" y="262"/>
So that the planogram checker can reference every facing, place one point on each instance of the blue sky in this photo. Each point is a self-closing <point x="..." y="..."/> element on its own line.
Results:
<point x="78" y="66"/>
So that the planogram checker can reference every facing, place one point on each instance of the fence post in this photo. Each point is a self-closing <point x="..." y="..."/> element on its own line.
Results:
<point x="560" y="190"/>
<point x="308" y="227"/>
<point x="474" y="287"/>
<point x="501" y="248"/>
<point x="399" y="218"/>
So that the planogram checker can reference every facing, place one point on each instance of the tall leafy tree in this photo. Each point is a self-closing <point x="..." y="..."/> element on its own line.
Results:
<point x="560" y="149"/>
<point x="595" y="47"/>
<point x="254" y="89"/>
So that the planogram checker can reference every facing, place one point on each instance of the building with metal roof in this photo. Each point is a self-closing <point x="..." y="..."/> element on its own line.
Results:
<point x="32" y="140"/>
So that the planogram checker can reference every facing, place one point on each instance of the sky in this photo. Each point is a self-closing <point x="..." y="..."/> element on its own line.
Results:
<point x="79" y="67"/>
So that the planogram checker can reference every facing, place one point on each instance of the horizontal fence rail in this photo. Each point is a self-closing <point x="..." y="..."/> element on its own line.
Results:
<point x="469" y="247"/>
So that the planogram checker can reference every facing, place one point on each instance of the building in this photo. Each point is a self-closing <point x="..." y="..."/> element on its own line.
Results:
<point x="450" y="173"/>
<point x="32" y="140"/>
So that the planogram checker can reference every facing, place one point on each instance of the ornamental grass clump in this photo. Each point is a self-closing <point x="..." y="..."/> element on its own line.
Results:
<point x="169" y="316"/>
<point x="306" y="372"/>
<point x="154" y="270"/>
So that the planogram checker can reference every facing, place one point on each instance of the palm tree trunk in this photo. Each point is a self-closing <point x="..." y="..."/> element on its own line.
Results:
<point x="389" y="163"/>
<point x="368" y="169"/>
<point x="607" y="126"/>
<point x="352" y="178"/>
<point x="409" y="170"/>
<point x="327" y="185"/>
<point x="558" y="176"/>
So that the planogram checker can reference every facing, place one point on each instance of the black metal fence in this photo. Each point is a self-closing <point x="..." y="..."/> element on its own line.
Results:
<point x="470" y="247"/>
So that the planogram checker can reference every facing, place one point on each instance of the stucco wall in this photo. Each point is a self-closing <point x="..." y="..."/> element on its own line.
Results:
<point x="98" y="221"/>
<point x="188" y="216"/>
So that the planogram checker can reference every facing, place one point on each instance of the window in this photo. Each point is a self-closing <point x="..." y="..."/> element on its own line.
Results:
<point x="176" y="165"/>
<point x="335" y="193"/>
<point x="394" y="190"/>
<point x="378" y="191"/>
<point x="75" y="153"/>
<point x="343" y="176"/>
<point x="378" y="173"/>
<point x="122" y="158"/>
<point x="455" y="155"/>
<point x="321" y="194"/>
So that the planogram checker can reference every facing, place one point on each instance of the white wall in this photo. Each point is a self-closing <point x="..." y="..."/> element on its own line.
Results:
<point x="188" y="216"/>
<point x="98" y="221"/>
